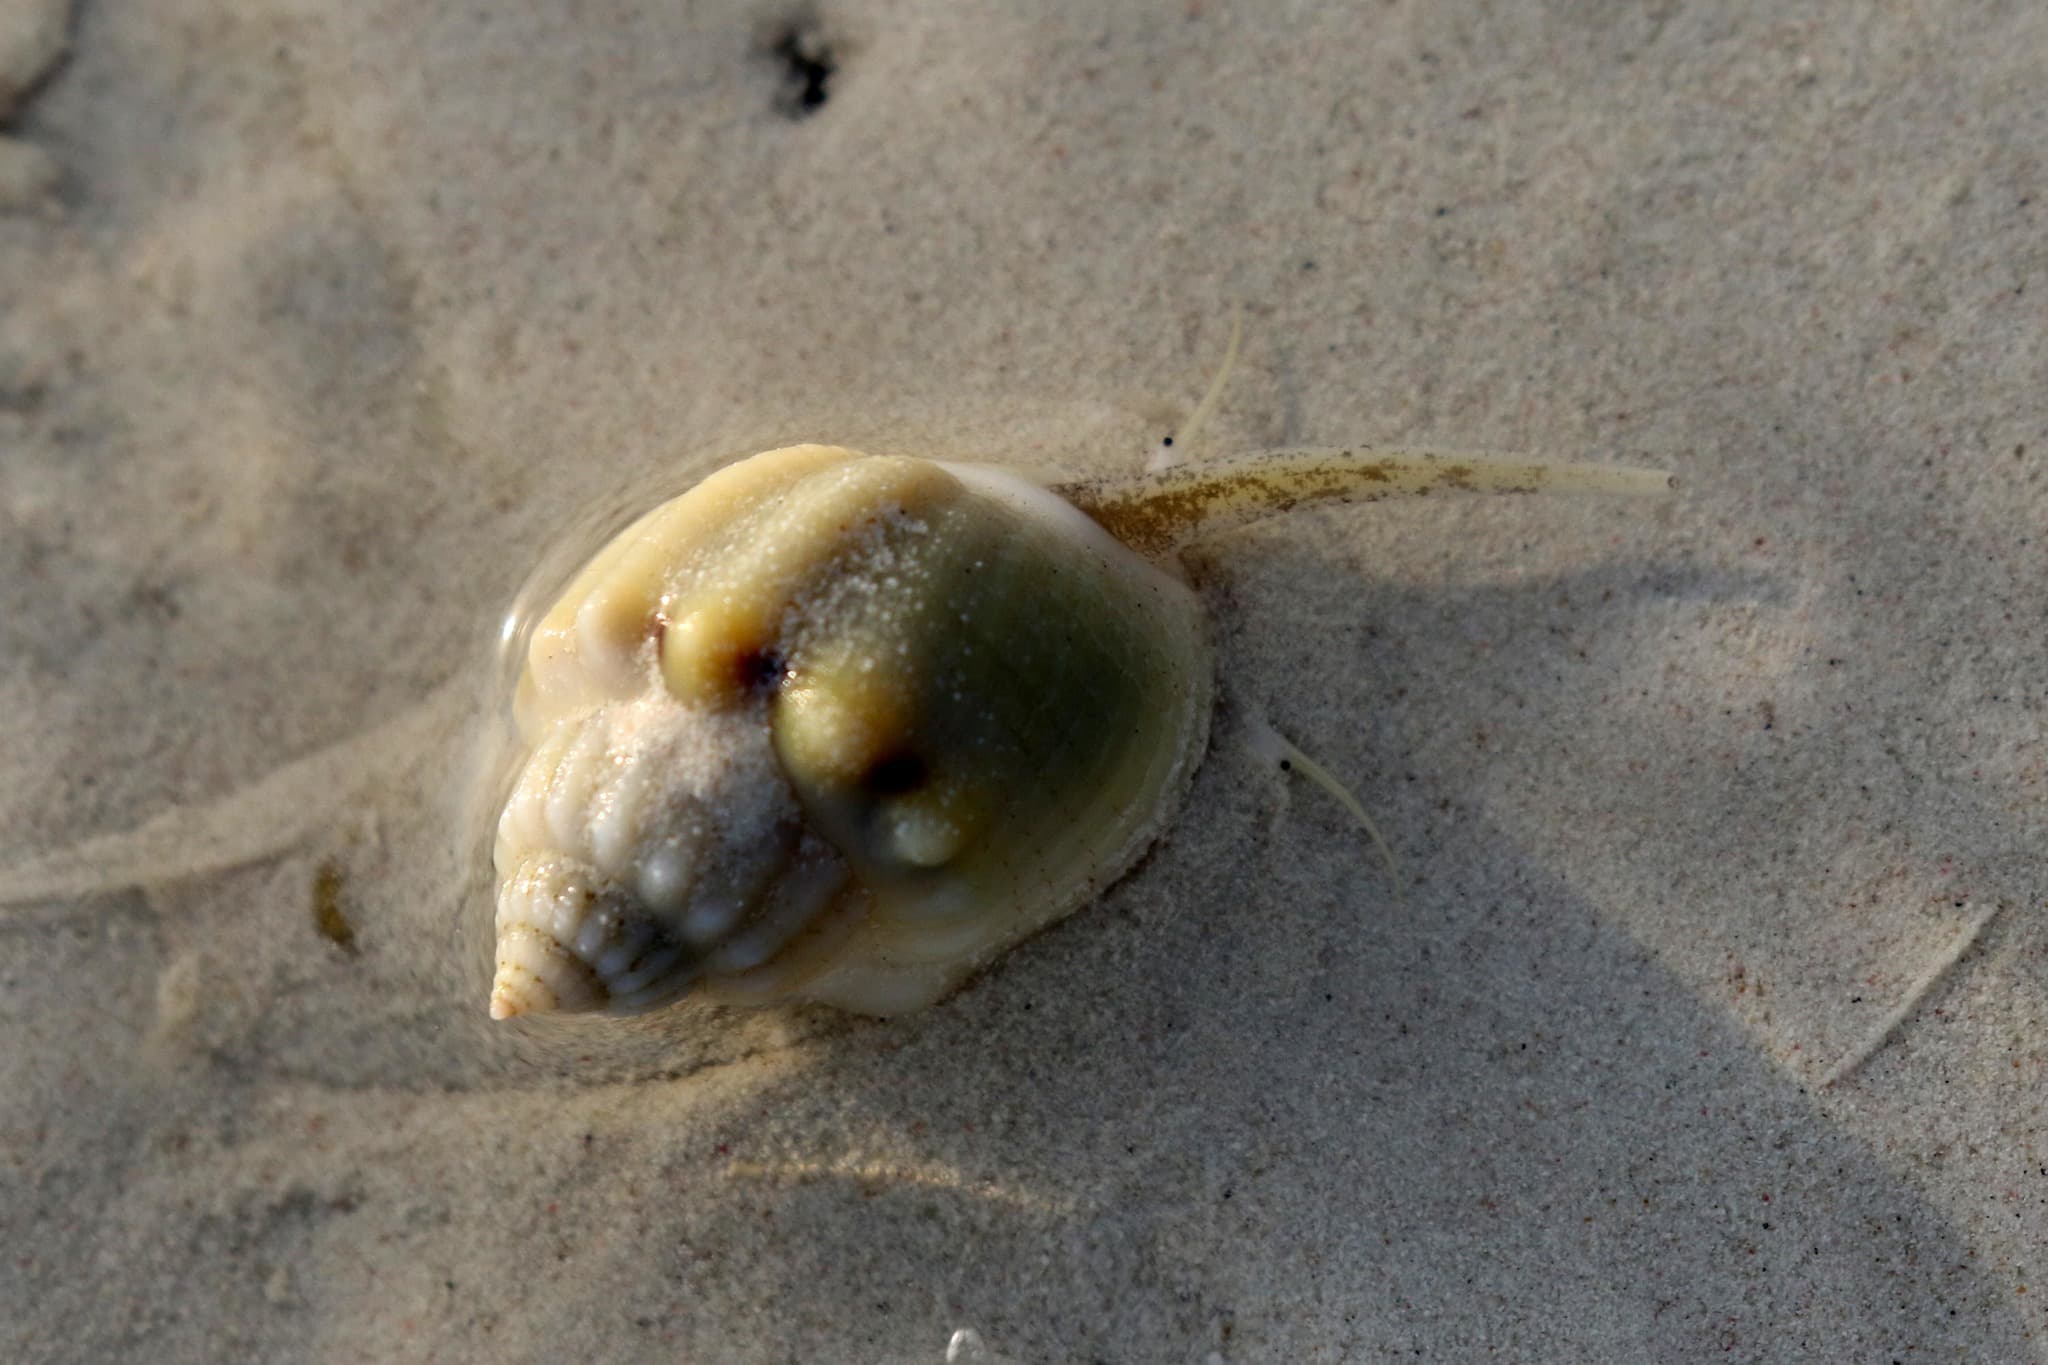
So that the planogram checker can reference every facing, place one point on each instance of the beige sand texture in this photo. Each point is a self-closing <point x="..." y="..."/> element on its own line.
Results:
<point x="1711" y="1020"/>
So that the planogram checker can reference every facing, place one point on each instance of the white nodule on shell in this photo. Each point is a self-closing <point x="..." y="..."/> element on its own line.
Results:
<point x="922" y="838"/>
<point x="799" y="897"/>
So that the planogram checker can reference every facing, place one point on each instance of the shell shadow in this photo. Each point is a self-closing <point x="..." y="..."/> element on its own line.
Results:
<point x="1488" y="1101"/>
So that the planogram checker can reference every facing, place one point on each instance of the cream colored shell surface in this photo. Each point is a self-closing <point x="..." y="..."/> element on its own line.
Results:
<point x="838" y="728"/>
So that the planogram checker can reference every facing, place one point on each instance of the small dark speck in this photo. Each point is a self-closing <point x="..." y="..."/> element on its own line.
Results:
<point x="328" y="916"/>
<point x="808" y="65"/>
<point x="25" y="399"/>
<point x="897" y="774"/>
<point x="760" y="671"/>
<point x="1443" y="210"/>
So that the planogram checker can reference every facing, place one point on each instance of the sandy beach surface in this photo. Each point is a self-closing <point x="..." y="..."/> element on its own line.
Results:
<point x="1707" y="1014"/>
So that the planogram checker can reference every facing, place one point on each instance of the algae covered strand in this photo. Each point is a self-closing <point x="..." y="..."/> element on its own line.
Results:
<point x="1158" y="514"/>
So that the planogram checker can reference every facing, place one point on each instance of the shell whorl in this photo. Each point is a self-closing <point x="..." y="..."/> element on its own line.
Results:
<point x="645" y="843"/>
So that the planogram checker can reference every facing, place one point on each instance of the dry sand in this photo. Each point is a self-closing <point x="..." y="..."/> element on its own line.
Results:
<point x="1712" y="1019"/>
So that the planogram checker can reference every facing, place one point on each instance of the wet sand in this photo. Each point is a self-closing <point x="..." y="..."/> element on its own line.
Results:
<point x="1707" y="1015"/>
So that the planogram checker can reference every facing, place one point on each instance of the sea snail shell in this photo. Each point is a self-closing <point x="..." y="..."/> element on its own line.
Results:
<point x="841" y="728"/>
